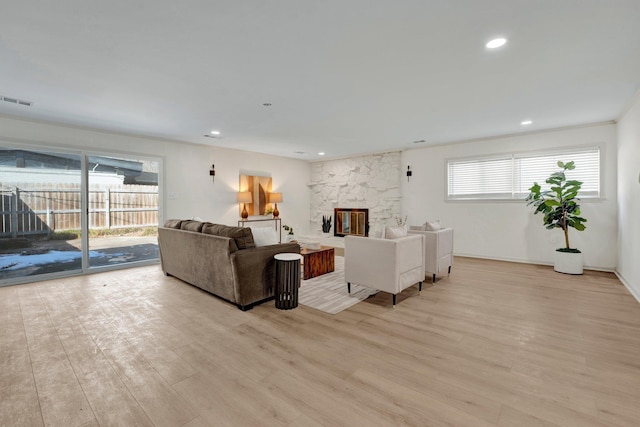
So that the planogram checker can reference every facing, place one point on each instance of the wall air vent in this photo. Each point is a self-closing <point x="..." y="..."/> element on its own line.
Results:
<point x="16" y="101"/>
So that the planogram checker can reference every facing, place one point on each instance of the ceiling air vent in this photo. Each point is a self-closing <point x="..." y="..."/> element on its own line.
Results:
<point x="16" y="101"/>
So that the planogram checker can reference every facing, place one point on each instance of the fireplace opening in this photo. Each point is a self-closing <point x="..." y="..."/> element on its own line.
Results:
<point x="351" y="222"/>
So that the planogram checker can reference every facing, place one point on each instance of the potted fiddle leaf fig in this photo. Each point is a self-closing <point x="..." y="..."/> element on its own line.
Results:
<point x="560" y="209"/>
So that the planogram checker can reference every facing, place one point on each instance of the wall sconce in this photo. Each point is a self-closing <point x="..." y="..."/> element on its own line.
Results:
<point x="409" y="173"/>
<point x="212" y="172"/>
<point x="275" y="198"/>
<point x="244" y="197"/>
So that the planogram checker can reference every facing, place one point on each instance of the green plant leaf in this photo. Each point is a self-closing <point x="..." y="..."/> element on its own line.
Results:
<point x="558" y="204"/>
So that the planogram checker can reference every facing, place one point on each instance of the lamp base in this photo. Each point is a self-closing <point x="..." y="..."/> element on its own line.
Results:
<point x="276" y="212"/>
<point x="244" y="213"/>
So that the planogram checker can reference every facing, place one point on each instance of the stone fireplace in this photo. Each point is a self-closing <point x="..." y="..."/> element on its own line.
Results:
<point x="372" y="181"/>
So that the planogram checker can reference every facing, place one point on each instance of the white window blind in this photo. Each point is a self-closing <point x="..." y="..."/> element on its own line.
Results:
<point x="510" y="176"/>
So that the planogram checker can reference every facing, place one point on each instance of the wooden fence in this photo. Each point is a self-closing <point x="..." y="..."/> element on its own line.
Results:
<point x="27" y="212"/>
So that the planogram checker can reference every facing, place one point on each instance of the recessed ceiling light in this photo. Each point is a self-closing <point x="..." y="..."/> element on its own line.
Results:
<point x="215" y="132"/>
<point x="321" y="153"/>
<point x="495" y="43"/>
<point x="526" y="122"/>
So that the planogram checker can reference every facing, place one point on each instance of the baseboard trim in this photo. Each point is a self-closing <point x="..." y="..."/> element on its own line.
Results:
<point x="627" y="285"/>
<point x="534" y="262"/>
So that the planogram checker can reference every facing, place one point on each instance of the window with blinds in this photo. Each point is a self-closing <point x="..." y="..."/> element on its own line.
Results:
<point x="510" y="176"/>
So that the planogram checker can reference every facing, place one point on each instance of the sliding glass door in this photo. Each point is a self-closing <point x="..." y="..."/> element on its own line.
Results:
<point x="123" y="210"/>
<point x="40" y="213"/>
<point x="67" y="213"/>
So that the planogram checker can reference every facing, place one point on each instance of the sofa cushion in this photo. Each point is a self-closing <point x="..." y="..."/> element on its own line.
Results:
<point x="191" y="225"/>
<point x="173" y="223"/>
<point x="395" y="232"/>
<point x="242" y="236"/>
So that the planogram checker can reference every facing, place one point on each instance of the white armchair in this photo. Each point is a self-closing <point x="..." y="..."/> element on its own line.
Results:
<point x="389" y="265"/>
<point x="439" y="250"/>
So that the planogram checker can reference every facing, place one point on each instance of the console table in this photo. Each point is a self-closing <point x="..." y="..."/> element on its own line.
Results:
<point x="277" y="223"/>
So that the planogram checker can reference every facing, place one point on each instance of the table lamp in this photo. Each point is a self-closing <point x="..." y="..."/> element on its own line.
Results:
<point x="244" y="197"/>
<point x="275" y="198"/>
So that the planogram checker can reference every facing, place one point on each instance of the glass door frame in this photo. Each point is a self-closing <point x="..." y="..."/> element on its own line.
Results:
<point x="86" y="267"/>
<point x="84" y="218"/>
<point x="84" y="154"/>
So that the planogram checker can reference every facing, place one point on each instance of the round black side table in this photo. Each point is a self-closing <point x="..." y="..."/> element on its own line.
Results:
<point x="287" y="280"/>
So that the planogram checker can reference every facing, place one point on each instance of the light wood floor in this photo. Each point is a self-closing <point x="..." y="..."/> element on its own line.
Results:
<point x="495" y="344"/>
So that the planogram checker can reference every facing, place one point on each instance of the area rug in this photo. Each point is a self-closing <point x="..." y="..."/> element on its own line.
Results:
<point x="328" y="292"/>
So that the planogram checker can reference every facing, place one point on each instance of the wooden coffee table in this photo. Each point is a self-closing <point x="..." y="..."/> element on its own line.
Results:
<point x="318" y="261"/>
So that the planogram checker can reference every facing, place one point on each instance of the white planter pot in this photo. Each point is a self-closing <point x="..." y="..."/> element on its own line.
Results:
<point x="568" y="262"/>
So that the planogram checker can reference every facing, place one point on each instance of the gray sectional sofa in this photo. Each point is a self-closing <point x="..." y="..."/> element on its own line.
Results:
<point x="221" y="260"/>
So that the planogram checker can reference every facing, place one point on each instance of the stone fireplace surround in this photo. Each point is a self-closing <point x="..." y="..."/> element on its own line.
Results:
<point x="372" y="182"/>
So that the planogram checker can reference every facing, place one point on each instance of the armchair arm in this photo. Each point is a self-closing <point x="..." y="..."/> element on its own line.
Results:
<point x="370" y="262"/>
<point x="439" y="249"/>
<point x="389" y="265"/>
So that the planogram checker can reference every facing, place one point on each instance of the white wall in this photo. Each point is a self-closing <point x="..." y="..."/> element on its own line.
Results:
<point x="186" y="169"/>
<point x="501" y="230"/>
<point x="509" y="230"/>
<point x="629" y="198"/>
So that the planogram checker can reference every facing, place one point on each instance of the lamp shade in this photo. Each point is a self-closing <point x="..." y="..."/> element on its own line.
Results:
<point x="275" y="197"/>
<point x="244" y="197"/>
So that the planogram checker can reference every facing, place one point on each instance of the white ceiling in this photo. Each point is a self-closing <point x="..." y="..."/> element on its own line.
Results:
<point x="343" y="76"/>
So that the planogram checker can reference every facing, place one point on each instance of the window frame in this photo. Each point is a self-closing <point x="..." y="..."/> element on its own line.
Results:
<point x="514" y="195"/>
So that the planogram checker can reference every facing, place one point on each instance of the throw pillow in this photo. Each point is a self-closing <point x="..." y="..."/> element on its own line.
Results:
<point x="241" y="235"/>
<point x="395" y="232"/>
<point x="264" y="236"/>
<point x="432" y="225"/>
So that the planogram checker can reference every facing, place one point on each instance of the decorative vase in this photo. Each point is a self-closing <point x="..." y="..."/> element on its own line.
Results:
<point x="568" y="262"/>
